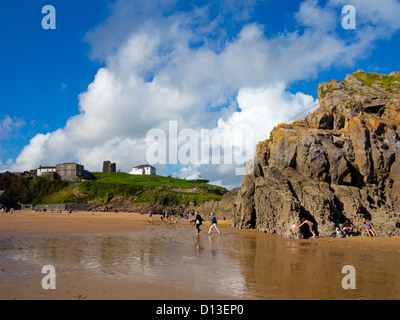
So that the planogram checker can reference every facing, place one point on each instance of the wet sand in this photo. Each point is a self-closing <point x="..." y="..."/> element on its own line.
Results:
<point x="22" y="280"/>
<point x="123" y="256"/>
<point x="30" y="222"/>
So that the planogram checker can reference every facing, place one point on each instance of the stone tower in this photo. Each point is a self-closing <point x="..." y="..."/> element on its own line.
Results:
<point x="109" y="167"/>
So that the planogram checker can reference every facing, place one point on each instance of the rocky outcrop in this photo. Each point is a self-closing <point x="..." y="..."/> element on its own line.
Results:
<point x="222" y="209"/>
<point x="340" y="162"/>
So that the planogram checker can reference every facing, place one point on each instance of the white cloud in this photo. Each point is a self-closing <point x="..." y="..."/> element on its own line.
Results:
<point x="154" y="74"/>
<point x="310" y="14"/>
<point x="8" y="125"/>
<point x="260" y="110"/>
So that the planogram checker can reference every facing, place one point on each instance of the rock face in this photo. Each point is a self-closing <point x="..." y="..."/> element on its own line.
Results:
<point x="222" y="209"/>
<point x="340" y="162"/>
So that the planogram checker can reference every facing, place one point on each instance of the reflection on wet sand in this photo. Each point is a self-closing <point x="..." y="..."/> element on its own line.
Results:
<point x="249" y="266"/>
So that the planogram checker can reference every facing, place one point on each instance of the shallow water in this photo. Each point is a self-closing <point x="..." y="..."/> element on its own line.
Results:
<point x="242" y="266"/>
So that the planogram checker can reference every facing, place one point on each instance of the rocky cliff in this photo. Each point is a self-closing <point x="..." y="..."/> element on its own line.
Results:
<point x="340" y="162"/>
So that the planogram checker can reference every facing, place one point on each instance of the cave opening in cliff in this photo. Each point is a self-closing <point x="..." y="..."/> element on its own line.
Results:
<point x="304" y="229"/>
<point x="375" y="109"/>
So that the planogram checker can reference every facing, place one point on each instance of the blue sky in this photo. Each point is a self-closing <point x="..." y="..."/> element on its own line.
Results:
<point x="43" y="72"/>
<point x="113" y="70"/>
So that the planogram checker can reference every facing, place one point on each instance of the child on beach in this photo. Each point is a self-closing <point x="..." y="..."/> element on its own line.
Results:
<point x="213" y="221"/>
<point x="348" y="229"/>
<point x="310" y="225"/>
<point x="369" y="228"/>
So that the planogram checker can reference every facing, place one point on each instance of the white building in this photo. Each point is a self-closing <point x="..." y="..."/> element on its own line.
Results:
<point x="41" y="171"/>
<point x="144" y="169"/>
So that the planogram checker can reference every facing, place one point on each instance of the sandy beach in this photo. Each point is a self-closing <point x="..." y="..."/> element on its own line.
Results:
<point x="257" y="260"/>
<point x="30" y="222"/>
<point x="20" y="281"/>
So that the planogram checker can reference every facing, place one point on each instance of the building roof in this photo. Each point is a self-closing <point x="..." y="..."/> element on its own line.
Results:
<point x="46" y="167"/>
<point x="199" y="180"/>
<point x="143" y="166"/>
<point x="74" y="163"/>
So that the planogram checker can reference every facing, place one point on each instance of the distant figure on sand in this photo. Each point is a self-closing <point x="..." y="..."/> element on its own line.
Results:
<point x="198" y="222"/>
<point x="369" y="228"/>
<point x="213" y="221"/>
<point x="310" y="225"/>
<point x="150" y="216"/>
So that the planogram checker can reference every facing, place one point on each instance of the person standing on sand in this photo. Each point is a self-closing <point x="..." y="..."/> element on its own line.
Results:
<point x="213" y="221"/>
<point x="150" y="216"/>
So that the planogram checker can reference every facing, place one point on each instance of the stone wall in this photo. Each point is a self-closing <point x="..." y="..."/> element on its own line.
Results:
<point x="63" y="207"/>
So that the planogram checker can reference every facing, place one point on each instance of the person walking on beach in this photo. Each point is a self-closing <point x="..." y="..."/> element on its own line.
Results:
<point x="213" y="221"/>
<point x="198" y="222"/>
<point x="369" y="228"/>
<point x="150" y="216"/>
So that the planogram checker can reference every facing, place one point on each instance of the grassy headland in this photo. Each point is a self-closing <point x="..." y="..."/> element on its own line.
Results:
<point x="114" y="189"/>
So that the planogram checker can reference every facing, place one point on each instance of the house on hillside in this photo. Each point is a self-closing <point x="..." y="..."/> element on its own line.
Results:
<point x="72" y="171"/>
<point x="44" y="171"/>
<point x="144" y="169"/>
<point x="66" y="171"/>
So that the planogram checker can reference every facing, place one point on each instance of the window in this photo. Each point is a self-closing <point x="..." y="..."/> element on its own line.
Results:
<point x="69" y="173"/>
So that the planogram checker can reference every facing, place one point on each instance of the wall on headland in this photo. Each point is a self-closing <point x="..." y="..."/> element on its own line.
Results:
<point x="63" y="207"/>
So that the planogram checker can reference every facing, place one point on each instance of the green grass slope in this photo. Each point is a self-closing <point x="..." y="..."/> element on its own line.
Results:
<point x="130" y="190"/>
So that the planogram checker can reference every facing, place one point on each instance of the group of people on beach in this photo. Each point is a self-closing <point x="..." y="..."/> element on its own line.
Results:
<point x="199" y="221"/>
<point x="347" y="228"/>
<point x="166" y="215"/>
<point x="7" y="210"/>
